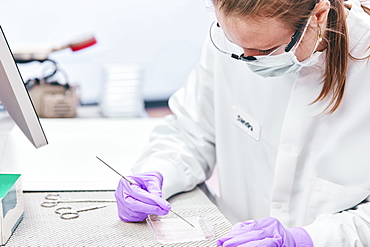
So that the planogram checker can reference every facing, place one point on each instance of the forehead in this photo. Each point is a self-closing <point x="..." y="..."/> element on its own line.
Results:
<point x="254" y="32"/>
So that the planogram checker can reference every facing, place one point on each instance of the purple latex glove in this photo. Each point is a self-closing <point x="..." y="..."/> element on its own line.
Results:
<point x="265" y="232"/>
<point x="136" y="201"/>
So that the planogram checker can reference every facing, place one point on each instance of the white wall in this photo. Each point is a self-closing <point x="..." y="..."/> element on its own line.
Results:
<point x="164" y="36"/>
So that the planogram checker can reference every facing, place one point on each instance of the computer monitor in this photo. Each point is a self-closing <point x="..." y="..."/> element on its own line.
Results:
<point x="15" y="98"/>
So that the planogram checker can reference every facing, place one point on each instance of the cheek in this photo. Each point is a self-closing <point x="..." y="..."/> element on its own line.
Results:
<point x="307" y="46"/>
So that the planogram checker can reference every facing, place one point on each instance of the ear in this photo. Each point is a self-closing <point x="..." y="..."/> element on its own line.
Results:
<point x="321" y="11"/>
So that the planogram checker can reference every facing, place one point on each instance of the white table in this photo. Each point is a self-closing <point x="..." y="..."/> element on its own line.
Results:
<point x="69" y="161"/>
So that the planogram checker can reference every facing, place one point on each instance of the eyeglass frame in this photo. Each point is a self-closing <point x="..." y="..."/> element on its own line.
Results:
<point x="294" y="39"/>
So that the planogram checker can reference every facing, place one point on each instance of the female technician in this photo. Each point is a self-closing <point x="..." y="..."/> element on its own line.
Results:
<point x="281" y="102"/>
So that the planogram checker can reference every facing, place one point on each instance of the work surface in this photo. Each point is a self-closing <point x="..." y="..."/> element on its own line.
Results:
<point x="102" y="227"/>
<point x="69" y="161"/>
<point x="69" y="164"/>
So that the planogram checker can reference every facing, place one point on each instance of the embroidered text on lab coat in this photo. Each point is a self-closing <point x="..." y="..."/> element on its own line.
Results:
<point x="246" y="123"/>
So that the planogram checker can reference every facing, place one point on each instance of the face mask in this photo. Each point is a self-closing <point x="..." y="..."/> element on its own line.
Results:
<point x="282" y="64"/>
<point x="285" y="63"/>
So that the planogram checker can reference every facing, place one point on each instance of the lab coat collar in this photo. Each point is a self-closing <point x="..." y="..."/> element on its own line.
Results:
<point x="356" y="24"/>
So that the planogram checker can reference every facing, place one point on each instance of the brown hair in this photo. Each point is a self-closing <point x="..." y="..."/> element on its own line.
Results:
<point x="295" y="13"/>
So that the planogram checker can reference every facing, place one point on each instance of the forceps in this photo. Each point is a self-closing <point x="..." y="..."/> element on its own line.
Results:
<point x="67" y="213"/>
<point x="131" y="182"/>
<point x="54" y="199"/>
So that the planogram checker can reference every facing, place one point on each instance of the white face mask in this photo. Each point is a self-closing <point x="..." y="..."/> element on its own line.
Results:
<point x="285" y="63"/>
<point x="282" y="64"/>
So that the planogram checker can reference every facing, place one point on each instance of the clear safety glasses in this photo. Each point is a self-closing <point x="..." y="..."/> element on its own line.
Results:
<point x="222" y="44"/>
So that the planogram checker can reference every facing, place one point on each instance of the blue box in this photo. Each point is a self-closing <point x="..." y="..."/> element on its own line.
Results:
<point x="11" y="205"/>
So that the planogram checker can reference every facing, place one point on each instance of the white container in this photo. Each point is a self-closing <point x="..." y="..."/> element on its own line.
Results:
<point x="122" y="91"/>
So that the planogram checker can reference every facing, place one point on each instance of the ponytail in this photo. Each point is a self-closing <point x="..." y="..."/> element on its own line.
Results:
<point x="334" y="79"/>
<point x="337" y="54"/>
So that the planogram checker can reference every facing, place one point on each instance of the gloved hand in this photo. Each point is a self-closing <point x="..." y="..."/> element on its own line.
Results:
<point x="136" y="201"/>
<point x="265" y="232"/>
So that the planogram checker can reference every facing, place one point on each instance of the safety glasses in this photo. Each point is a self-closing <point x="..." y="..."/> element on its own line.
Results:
<point x="222" y="44"/>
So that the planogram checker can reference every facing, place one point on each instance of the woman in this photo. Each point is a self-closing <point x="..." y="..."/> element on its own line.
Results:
<point x="280" y="100"/>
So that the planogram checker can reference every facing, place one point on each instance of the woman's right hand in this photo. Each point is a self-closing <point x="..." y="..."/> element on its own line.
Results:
<point x="136" y="201"/>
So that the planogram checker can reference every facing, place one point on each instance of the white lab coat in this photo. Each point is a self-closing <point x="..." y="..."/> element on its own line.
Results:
<point x="296" y="165"/>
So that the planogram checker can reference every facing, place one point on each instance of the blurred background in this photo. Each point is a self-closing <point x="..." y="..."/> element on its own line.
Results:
<point x="144" y="46"/>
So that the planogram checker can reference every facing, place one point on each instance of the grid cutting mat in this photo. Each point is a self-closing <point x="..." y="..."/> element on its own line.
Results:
<point x="102" y="227"/>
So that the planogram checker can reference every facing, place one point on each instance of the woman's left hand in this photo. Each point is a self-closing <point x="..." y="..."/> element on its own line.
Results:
<point x="265" y="232"/>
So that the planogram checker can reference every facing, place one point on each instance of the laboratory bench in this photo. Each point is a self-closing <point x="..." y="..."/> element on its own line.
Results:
<point x="68" y="165"/>
<point x="151" y="111"/>
<point x="102" y="227"/>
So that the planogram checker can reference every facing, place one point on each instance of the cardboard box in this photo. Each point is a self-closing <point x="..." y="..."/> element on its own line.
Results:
<point x="11" y="205"/>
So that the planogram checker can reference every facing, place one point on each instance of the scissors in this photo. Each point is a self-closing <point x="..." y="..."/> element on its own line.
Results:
<point x="54" y="199"/>
<point x="67" y="213"/>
